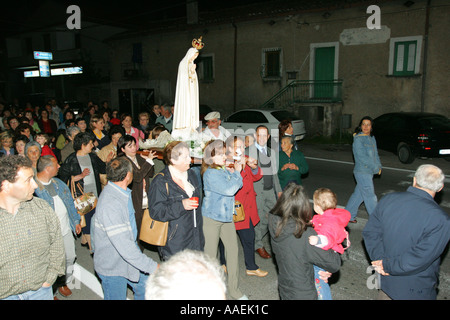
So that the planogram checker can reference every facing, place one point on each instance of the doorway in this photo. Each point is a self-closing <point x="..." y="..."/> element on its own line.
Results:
<point x="324" y="67"/>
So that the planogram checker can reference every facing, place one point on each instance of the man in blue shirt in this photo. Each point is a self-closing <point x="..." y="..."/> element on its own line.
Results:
<point x="406" y="235"/>
<point x="117" y="258"/>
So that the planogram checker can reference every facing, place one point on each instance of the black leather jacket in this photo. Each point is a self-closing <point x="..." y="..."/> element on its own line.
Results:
<point x="71" y="167"/>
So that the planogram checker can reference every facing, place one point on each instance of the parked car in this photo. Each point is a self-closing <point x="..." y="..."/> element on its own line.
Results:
<point x="248" y="119"/>
<point x="413" y="134"/>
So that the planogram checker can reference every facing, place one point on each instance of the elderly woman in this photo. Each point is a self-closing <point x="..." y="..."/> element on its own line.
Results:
<point x="292" y="164"/>
<point x="169" y="199"/>
<point x="33" y="152"/>
<point x="367" y="164"/>
<point x="285" y="129"/>
<point x="221" y="183"/>
<point x="143" y="170"/>
<point x="290" y="228"/>
<point x="84" y="167"/>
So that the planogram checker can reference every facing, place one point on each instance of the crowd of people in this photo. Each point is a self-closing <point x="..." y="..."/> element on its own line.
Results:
<point x="58" y="155"/>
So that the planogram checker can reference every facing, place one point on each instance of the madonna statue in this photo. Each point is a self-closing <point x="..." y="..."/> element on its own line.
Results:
<point x="186" y="113"/>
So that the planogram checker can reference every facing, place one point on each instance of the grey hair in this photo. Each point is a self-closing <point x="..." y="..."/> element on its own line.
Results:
<point x="32" y="144"/>
<point x="71" y="130"/>
<point x="44" y="162"/>
<point x="189" y="274"/>
<point x="167" y="107"/>
<point x="429" y="177"/>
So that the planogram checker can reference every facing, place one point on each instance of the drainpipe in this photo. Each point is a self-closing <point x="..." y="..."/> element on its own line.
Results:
<point x="234" y="66"/>
<point x="425" y="56"/>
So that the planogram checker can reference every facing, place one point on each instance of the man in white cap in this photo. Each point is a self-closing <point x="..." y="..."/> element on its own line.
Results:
<point x="214" y="130"/>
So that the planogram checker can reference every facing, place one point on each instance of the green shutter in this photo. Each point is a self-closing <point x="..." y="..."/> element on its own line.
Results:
<point x="405" y="58"/>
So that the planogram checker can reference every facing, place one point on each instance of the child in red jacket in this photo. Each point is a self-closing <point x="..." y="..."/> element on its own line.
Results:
<point x="43" y="139"/>
<point x="329" y="223"/>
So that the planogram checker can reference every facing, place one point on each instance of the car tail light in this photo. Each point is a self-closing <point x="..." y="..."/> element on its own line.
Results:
<point x="422" y="138"/>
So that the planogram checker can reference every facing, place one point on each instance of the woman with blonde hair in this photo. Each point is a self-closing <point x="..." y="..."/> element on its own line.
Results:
<point x="220" y="184"/>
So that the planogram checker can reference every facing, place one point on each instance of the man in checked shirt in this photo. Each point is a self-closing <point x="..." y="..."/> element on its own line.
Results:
<point x="31" y="250"/>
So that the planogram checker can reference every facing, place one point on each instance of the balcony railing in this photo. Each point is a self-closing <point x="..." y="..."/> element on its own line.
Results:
<point x="306" y="91"/>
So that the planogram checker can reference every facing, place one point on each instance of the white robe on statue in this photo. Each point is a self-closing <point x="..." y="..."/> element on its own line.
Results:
<point x="186" y="107"/>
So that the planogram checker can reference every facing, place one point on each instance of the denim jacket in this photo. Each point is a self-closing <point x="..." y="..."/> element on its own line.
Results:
<point x="64" y="193"/>
<point x="366" y="154"/>
<point x="220" y="186"/>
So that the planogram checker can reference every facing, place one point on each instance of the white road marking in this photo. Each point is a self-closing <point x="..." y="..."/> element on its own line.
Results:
<point x="88" y="279"/>
<point x="447" y="177"/>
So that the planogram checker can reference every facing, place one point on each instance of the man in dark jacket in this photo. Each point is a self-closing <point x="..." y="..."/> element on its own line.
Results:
<point x="406" y="235"/>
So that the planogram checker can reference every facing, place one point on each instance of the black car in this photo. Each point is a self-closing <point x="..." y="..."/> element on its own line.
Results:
<point x="413" y="134"/>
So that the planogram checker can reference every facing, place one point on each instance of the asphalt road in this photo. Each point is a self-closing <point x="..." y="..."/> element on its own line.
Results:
<point x="330" y="166"/>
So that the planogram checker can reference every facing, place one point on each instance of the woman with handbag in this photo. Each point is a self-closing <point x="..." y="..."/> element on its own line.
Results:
<point x="143" y="170"/>
<point x="170" y="200"/>
<point x="83" y="167"/>
<point x="220" y="184"/>
<point x="250" y="173"/>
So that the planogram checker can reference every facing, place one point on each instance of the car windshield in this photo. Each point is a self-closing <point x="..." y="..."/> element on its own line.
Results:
<point x="434" y="122"/>
<point x="249" y="116"/>
<point x="284" y="115"/>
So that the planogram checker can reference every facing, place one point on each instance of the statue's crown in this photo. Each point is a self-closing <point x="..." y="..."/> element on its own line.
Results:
<point x="198" y="44"/>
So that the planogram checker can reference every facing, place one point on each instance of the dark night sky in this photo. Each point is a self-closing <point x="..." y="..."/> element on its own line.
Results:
<point x="20" y="15"/>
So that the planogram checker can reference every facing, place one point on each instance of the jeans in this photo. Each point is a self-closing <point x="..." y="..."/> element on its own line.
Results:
<point x="364" y="191"/>
<point x="323" y="288"/>
<point x="115" y="287"/>
<point x="43" y="293"/>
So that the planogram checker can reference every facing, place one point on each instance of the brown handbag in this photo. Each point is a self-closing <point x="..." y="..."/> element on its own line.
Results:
<point x="153" y="231"/>
<point x="239" y="212"/>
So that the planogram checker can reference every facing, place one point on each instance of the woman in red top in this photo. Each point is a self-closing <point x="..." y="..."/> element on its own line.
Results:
<point x="247" y="196"/>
